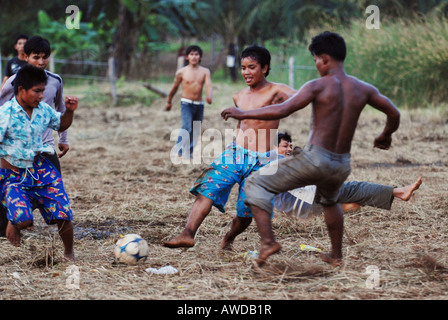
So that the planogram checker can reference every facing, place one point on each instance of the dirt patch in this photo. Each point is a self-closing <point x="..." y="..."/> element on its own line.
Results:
<point x="120" y="179"/>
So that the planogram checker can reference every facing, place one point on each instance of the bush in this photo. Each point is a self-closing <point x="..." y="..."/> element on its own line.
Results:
<point x="405" y="60"/>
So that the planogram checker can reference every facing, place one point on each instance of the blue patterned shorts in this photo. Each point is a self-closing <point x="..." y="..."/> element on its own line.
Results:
<point x="233" y="166"/>
<point x="40" y="184"/>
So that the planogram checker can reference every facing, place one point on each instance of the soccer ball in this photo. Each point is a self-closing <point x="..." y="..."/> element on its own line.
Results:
<point x="131" y="248"/>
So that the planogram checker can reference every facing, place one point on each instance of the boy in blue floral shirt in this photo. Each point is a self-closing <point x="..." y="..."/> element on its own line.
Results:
<point x="37" y="53"/>
<point x="25" y="175"/>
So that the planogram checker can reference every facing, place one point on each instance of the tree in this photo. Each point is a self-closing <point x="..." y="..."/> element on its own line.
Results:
<point x="135" y="24"/>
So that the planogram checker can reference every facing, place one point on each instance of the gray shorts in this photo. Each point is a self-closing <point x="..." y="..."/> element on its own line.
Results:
<point x="313" y="165"/>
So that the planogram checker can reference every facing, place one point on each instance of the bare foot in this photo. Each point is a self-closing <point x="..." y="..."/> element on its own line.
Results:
<point x="226" y="245"/>
<point x="13" y="234"/>
<point x="266" y="250"/>
<point x="69" y="257"/>
<point x="335" y="262"/>
<point x="180" y="241"/>
<point x="227" y="242"/>
<point x="405" y="193"/>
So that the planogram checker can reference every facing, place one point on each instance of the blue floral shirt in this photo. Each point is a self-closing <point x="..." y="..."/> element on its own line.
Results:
<point x="20" y="136"/>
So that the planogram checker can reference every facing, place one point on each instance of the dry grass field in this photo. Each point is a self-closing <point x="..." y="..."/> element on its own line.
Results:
<point x="120" y="180"/>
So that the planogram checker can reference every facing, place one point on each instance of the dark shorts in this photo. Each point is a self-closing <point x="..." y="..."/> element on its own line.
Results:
<point x="313" y="165"/>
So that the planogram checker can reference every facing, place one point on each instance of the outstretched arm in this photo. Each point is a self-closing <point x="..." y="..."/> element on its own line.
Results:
<point x="385" y="105"/>
<point x="300" y="100"/>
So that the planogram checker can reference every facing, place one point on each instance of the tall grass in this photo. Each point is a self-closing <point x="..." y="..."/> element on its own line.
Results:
<point x="406" y="60"/>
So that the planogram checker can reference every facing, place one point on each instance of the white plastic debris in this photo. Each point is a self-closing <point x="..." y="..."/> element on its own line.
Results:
<point x="250" y="254"/>
<point x="163" y="270"/>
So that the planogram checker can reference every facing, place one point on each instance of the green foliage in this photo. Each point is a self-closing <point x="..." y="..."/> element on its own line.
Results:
<point x="406" y="59"/>
<point x="66" y="42"/>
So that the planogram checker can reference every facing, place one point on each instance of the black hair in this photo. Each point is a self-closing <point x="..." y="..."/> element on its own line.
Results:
<point x="37" y="44"/>
<point x="328" y="43"/>
<point x="259" y="54"/>
<point x="29" y="76"/>
<point x="284" y="136"/>
<point x="191" y="49"/>
<point x="21" y="36"/>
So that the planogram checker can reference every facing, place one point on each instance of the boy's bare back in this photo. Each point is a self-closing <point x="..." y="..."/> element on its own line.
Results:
<point x="337" y="105"/>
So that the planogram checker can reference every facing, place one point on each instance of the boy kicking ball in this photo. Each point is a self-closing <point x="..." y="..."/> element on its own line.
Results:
<point x="26" y="176"/>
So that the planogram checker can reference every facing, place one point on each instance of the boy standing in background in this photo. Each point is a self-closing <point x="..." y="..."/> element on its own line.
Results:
<point x="14" y="64"/>
<point x="193" y="77"/>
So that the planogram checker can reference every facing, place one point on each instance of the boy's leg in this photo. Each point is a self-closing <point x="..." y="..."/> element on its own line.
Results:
<point x="3" y="221"/>
<point x="355" y="194"/>
<point x="197" y="118"/>
<point x="65" y="229"/>
<point x="262" y="186"/>
<point x="268" y="244"/>
<point x="182" y="147"/>
<point x="201" y="208"/>
<point x="405" y="193"/>
<point x="334" y="218"/>
<point x="239" y="224"/>
<point x="217" y="182"/>
<point x="366" y="194"/>
<point x="13" y="231"/>
<point x="19" y="211"/>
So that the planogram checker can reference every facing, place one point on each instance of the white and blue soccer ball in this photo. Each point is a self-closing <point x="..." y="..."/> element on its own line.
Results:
<point x="131" y="248"/>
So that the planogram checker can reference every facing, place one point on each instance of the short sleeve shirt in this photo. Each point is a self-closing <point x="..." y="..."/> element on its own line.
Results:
<point x="20" y="136"/>
<point x="53" y="95"/>
<point x="13" y="66"/>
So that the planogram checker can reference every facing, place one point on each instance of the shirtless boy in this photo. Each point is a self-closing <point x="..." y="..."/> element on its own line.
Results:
<point x="337" y="100"/>
<point x="252" y="149"/>
<point x="193" y="77"/>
